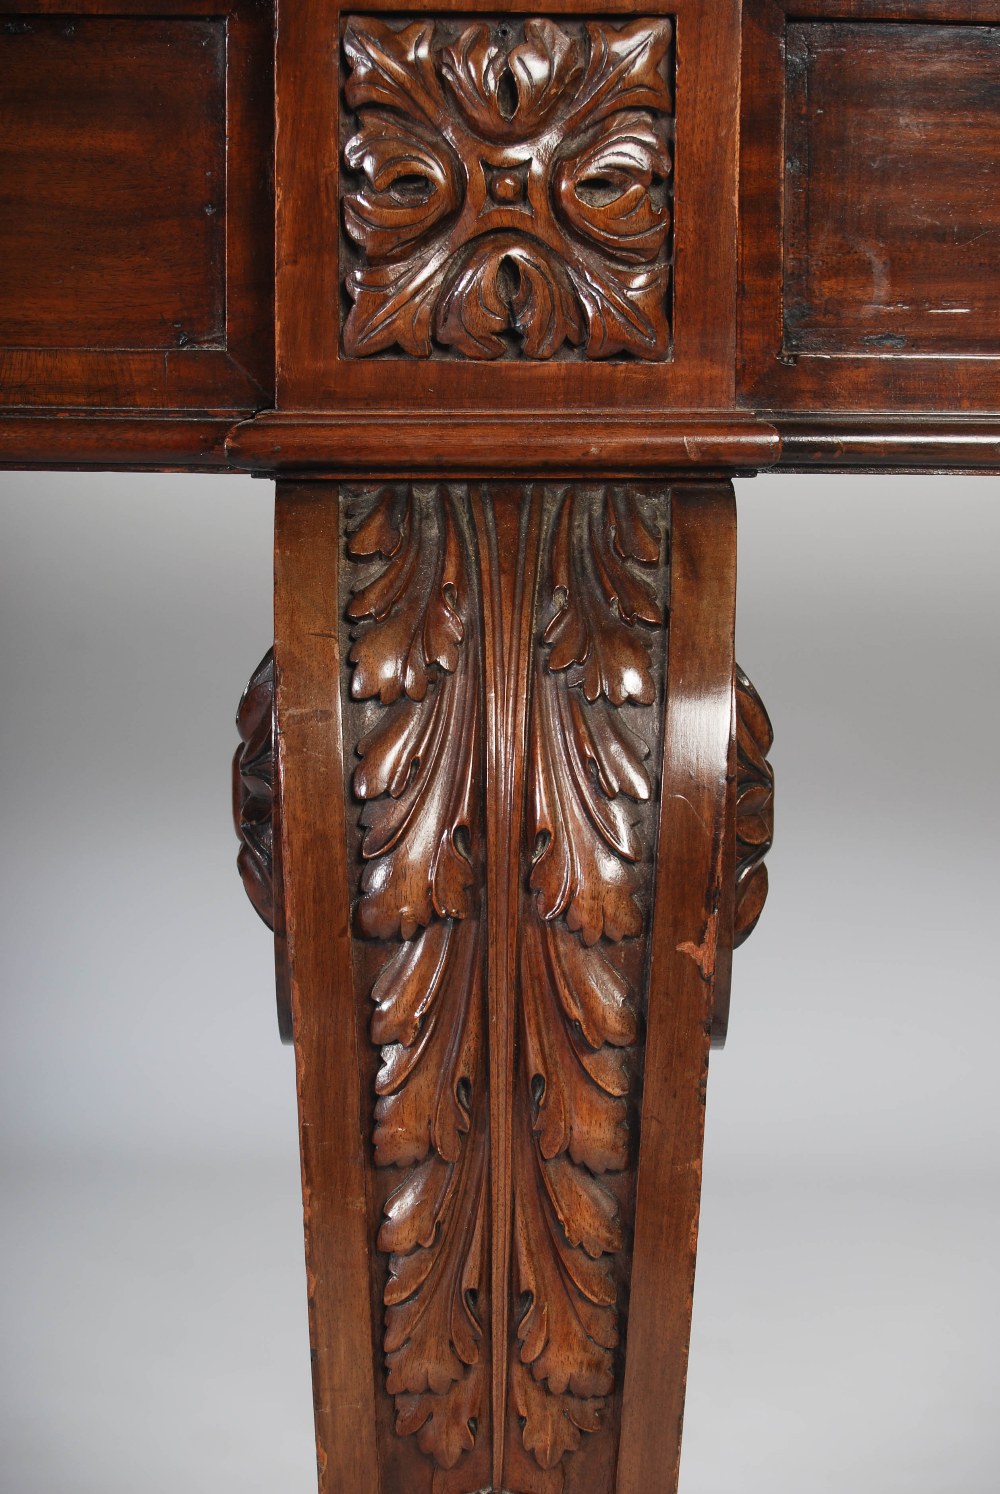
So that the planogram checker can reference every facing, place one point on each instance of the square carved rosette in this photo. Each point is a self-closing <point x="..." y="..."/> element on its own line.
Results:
<point x="504" y="232"/>
<point x="506" y="187"/>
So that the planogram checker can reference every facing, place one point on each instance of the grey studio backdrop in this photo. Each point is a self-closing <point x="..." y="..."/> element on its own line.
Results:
<point x="154" y="1327"/>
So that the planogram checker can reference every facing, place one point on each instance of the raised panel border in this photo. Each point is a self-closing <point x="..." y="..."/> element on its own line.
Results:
<point x="313" y="374"/>
<point x="769" y="379"/>
<point x="175" y="409"/>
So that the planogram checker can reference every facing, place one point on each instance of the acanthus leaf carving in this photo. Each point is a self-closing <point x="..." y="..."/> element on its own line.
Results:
<point x="754" y="806"/>
<point x="410" y="186"/>
<point x="479" y="306"/>
<point x="605" y="190"/>
<point x="579" y="1015"/>
<point x="253" y="790"/>
<point x="416" y="653"/>
<point x="393" y="68"/>
<point x="506" y="188"/>
<point x="584" y="830"/>
<point x="542" y="69"/>
<point x="625" y="69"/>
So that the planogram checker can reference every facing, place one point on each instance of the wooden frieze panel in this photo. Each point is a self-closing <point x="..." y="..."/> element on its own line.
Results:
<point x="870" y="220"/>
<point x="113" y="145"/>
<point x="892" y="189"/>
<point x="517" y="212"/>
<point x="136" y="238"/>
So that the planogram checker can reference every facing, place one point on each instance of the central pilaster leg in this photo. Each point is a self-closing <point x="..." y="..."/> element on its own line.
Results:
<point x="505" y="729"/>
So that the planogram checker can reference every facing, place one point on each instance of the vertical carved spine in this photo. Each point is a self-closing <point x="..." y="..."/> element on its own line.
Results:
<point x="417" y="652"/>
<point x="589" y="777"/>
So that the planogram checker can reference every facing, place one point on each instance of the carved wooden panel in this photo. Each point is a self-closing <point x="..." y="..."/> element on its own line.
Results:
<point x="503" y="712"/>
<point x="505" y="191"/>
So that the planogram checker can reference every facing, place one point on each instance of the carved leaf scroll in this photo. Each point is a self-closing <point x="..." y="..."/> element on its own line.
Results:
<point x="589" y="777"/>
<point x="506" y="188"/>
<point x="416" y="652"/>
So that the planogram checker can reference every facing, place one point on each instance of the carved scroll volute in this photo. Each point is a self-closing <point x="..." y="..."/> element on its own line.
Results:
<point x="754" y="806"/>
<point x="749" y="833"/>
<point x="256" y="816"/>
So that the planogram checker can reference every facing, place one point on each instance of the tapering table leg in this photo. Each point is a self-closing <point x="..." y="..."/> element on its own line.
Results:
<point x="512" y="797"/>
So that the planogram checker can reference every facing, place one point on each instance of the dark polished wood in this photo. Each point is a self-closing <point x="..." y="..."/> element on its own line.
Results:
<point x="316" y="123"/>
<point x="153" y="90"/>
<point x="868" y="226"/>
<point x="257" y="818"/>
<point x="516" y="733"/>
<point x="136" y="257"/>
<point x="465" y="443"/>
<point x="693" y="872"/>
<point x="892" y="189"/>
<point x="333" y="1108"/>
<point x="503" y="300"/>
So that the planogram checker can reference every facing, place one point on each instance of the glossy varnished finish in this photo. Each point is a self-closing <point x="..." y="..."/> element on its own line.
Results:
<point x="869" y="142"/>
<point x="892" y="189"/>
<point x="506" y="191"/>
<point x="503" y="300"/>
<point x="515" y="846"/>
<point x="154" y="91"/>
<point x="136" y="252"/>
<point x="317" y="120"/>
<point x="333" y="1110"/>
<point x="692" y="871"/>
<point x="522" y="442"/>
<point x="508" y="687"/>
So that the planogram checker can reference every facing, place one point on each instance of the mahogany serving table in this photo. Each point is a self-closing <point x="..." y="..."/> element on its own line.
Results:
<point x="502" y="302"/>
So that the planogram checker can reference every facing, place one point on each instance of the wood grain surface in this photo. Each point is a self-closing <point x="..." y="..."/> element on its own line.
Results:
<point x="136" y="253"/>
<point x="503" y="301"/>
<point x="490" y="914"/>
<point x="892" y="189"/>
<point x="333" y="1113"/>
<point x="685" y="937"/>
<point x="870" y="137"/>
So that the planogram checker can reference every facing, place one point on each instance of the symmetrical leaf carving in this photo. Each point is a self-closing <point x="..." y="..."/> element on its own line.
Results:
<point x="754" y="806"/>
<point x="506" y="188"/>
<point x="593" y="678"/>
<point x="416" y="651"/>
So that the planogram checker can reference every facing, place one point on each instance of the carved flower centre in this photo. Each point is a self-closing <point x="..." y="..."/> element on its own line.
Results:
<point x="536" y="146"/>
